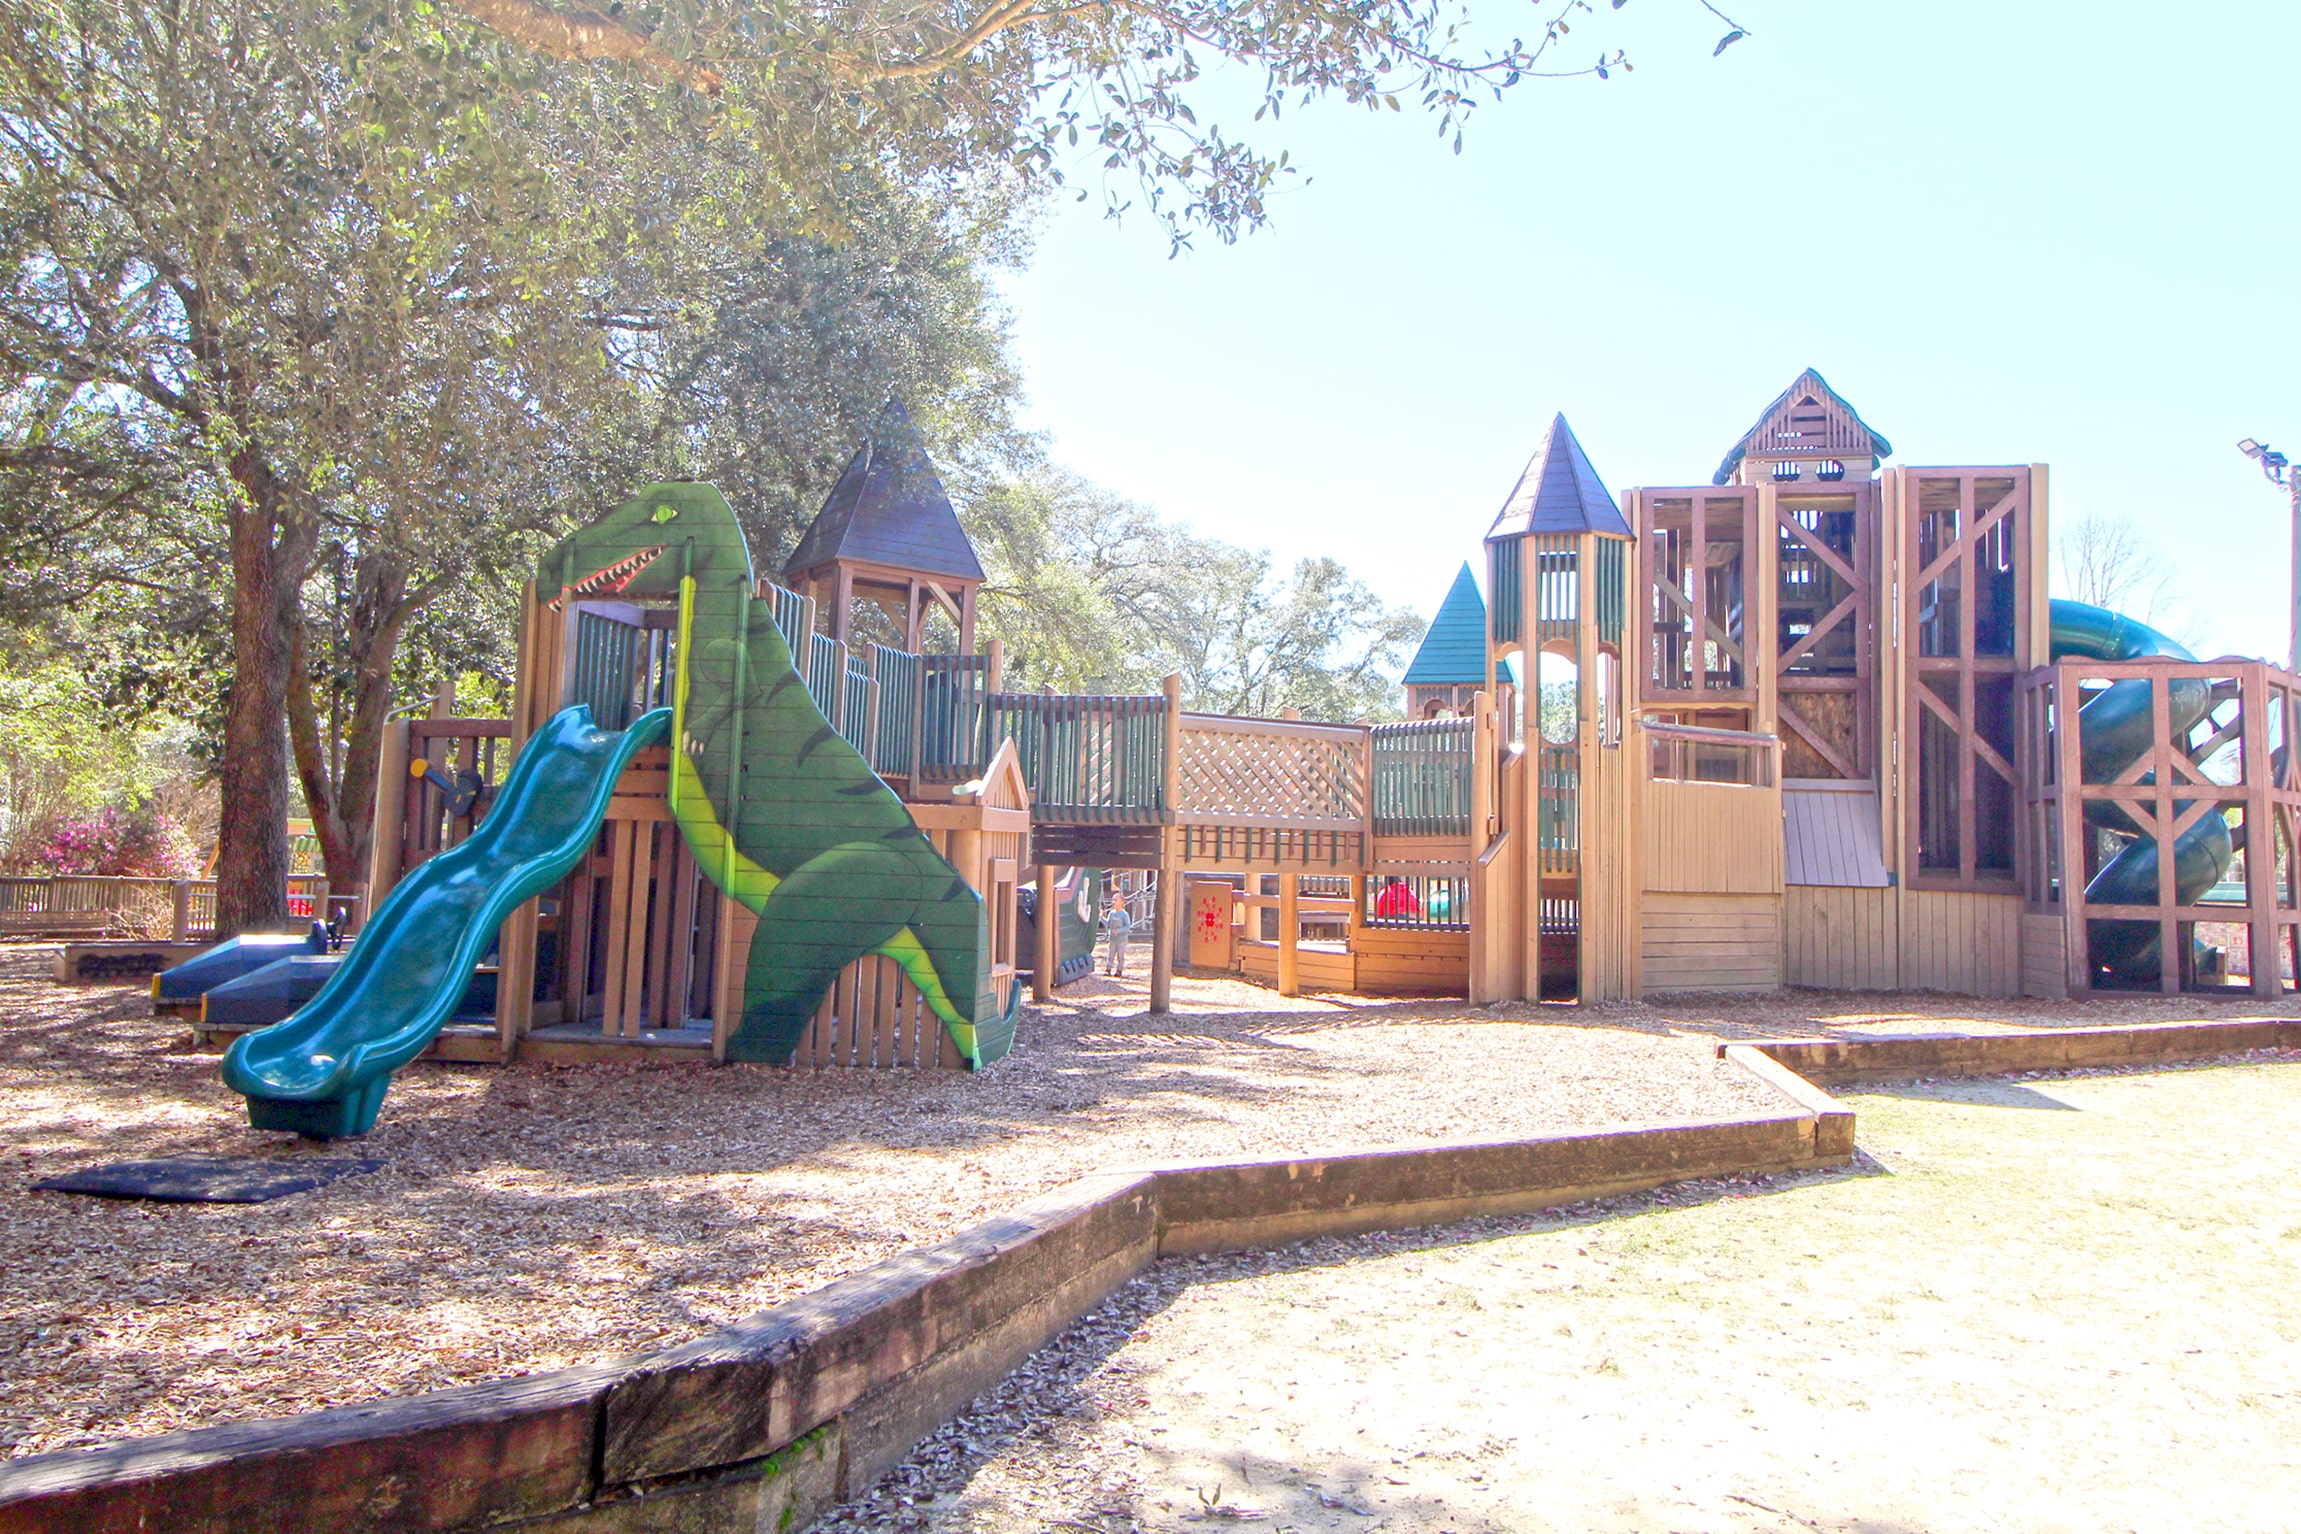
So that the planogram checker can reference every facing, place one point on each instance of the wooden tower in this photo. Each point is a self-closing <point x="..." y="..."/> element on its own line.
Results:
<point x="1872" y="621"/>
<point x="1564" y="857"/>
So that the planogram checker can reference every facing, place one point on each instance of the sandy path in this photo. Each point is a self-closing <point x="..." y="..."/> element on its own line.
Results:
<point x="2045" y="1304"/>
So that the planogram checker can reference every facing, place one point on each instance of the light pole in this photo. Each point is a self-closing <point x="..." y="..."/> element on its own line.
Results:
<point x="2280" y="472"/>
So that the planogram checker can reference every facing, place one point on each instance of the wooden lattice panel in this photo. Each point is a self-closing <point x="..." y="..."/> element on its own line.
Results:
<point x="1265" y="773"/>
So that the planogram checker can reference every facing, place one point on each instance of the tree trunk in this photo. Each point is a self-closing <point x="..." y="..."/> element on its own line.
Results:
<point x="270" y="550"/>
<point x="343" y="804"/>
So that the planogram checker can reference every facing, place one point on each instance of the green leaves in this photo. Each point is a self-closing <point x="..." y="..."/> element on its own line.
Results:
<point x="1093" y="593"/>
<point x="960" y="90"/>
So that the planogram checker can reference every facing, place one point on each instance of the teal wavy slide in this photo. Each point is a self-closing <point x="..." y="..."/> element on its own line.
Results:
<point x="324" y="1070"/>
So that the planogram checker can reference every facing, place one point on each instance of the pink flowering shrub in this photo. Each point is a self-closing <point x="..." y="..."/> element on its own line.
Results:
<point x="139" y="844"/>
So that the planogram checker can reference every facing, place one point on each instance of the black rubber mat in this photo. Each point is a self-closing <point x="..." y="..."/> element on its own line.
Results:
<point x="208" y="1179"/>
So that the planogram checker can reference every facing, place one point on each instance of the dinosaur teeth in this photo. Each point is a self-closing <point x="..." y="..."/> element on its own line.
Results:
<point x="607" y="581"/>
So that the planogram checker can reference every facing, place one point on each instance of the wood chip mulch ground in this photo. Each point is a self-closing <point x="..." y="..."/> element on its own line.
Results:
<point x="527" y="1218"/>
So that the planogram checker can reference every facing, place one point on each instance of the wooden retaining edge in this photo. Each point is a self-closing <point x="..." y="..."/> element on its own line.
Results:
<point x="1846" y="1062"/>
<point x="769" y="1422"/>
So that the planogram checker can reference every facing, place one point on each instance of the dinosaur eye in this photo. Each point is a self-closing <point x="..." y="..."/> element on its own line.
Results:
<point x="665" y="513"/>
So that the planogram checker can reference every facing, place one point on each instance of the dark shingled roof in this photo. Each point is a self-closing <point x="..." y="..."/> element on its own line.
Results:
<point x="1454" y="648"/>
<point x="1559" y="493"/>
<point x="889" y="509"/>
<point x="1808" y="382"/>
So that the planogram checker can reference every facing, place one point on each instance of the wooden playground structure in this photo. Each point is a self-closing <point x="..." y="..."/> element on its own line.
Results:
<point x="1799" y="726"/>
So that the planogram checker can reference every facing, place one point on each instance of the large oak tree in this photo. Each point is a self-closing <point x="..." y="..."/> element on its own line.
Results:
<point x="354" y="297"/>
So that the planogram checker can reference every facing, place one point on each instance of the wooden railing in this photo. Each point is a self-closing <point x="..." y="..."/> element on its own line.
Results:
<point x="826" y="668"/>
<point x="1418" y="902"/>
<point x="454" y="746"/>
<point x="1422" y="777"/>
<point x="1559" y="835"/>
<point x="1088" y="759"/>
<point x="875" y="696"/>
<point x="1277" y="773"/>
<point x="1693" y="754"/>
<point x="895" y="739"/>
<point x="954" y="738"/>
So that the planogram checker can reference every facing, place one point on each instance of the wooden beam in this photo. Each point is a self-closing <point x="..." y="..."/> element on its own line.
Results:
<point x="842" y="606"/>
<point x="630" y="1005"/>
<point x="2169" y="955"/>
<point x="1170" y="859"/>
<point x="1046" y="947"/>
<point x="621" y="835"/>
<point x="1289" y="935"/>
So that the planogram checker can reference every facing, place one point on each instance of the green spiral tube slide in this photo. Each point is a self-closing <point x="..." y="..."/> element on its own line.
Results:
<point x="323" y="1071"/>
<point x="2114" y="729"/>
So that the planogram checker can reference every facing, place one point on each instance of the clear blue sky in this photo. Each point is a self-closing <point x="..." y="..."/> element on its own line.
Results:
<point x="2062" y="233"/>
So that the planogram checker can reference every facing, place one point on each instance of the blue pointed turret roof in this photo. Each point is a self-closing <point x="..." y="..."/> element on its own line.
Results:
<point x="1454" y="647"/>
<point x="1559" y="493"/>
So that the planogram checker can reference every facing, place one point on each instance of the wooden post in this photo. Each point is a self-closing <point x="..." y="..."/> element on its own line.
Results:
<point x="2169" y="954"/>
<point x="1485" y="825"/>
<point x="2069" y="778"/>
<point x="387" y="834"/>
<point x="967" y="620"/>
<point x="994" y="665"/>
<point x="180" y="917"/>
<point x="1289" y="934"/>
<point x="2261" y="946"/>
<point x="731" y="953"/>
<point x="1593" y="933"/>
<point x="1896" y="758"/>
<point x="1046" y="944"/>
<point x="516" y="945"/>
<point x="1170" y="862"/>
<point x="1761" y="637"/>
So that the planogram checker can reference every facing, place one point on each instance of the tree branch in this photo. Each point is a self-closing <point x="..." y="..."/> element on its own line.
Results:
<point x="581" y="34"/>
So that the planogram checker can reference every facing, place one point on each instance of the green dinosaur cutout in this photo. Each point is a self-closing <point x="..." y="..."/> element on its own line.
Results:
<point x="783" y="814"/>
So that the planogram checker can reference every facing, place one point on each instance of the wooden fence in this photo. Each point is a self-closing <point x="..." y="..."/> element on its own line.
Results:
<point x="177" y="910"/>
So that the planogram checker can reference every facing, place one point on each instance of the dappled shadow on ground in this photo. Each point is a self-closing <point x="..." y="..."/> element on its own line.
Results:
<point x="530" y="1217"/>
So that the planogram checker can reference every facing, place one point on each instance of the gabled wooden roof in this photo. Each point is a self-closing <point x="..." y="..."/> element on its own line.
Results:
<point x="889" y="509"/>
<point x="1454" y="646"/>
<point x="1559" y="493"/>
<point x="1809" y="418"/>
